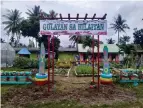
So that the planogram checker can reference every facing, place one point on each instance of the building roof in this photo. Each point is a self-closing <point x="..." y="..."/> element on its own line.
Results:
<point x="112" y="48"/>
<point x="30" y="49"/>
<point x="6" y="46"/>
<point x="139" y="51"/>
<point x="63" y="49"/>
<point x="24" y="51"/>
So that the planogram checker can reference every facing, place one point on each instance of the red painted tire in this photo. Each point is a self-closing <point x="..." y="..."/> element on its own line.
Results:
<point x="107" y="83"/>
<point x="40" y="83"/>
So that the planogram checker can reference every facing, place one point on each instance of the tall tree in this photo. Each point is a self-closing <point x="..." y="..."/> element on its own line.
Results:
<point x="76" y="39"/>
<point x="52" y="14"/>
<point x="124" y="39"/>
<point x="12" y="22"/>
<point x="128" y="50"/>
<point x="138" y="37"/>
<point x="12" y="41"/>
<point x="110" y="41"/>
<point x="30" y="26"/>
<point x="88" y="42"/>
<point x="119" y="25"/>
<point x="56" y="44"/>
<point x="34" y="12"/>
<point x="81" y="39"/>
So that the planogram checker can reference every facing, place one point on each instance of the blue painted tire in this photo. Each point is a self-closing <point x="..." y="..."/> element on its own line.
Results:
<point x="106" y="75"/>
<point x="39" y="76"/>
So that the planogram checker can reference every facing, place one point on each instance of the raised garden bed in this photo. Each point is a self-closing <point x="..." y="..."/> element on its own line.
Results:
<point x="84" y="70"/>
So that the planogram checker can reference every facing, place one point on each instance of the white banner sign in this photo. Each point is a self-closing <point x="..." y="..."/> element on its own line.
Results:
<point x="70" y="27"/>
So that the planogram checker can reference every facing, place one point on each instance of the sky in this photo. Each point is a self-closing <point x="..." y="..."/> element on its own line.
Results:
<point x="132" y="11"/>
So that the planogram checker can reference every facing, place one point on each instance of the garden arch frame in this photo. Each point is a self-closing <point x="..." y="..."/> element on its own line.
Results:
<point x="42" y="17"/>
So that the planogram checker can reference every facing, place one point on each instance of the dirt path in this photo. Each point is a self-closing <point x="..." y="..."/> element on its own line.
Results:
<point x="69" y="88"/>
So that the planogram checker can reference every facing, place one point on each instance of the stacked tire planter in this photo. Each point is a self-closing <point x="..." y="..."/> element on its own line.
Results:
<point x="41" y="79"/>
<point x="106" y="78"/>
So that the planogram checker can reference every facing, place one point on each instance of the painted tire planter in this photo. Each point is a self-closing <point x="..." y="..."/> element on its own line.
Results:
<point x="45" y="79"/>
<point x="106" y="75"/>
<point x="106" y="79"/>
<point x="40" y="83"/>
<point x="41" y="79"/>
<point x="105" y="82"/>
<point x="41" y="76"/>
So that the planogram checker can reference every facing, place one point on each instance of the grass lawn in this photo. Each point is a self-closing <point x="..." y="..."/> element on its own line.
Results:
<point x="33" y="56"/>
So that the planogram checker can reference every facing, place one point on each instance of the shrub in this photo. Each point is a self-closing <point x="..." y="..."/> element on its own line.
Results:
<point x="63" y="64"/>
<point x="25" y="63"/>
<point x="34" y="64"/>
<point x="115" y="65"/>
<point x="22" y="62"/>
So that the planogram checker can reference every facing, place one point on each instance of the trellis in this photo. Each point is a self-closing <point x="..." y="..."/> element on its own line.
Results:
<point x="49" y="36"/>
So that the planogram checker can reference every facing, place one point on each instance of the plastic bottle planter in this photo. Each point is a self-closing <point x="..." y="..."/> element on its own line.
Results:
<point x="131" y="78"/>
<point x="16" y="78"/>
<point x="41" y="77"/>
<point x="106" y="76"/>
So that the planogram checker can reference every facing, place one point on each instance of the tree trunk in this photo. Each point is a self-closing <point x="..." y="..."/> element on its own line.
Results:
<point x="118" y="38"/>
<point x="18" y="38"/>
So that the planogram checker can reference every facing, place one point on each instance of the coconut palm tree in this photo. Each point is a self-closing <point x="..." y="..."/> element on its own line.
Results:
<point x="12" y="22"/>
<point x="35" y="12"/>
<point x="128" y="50"/>
<point x="124" y="39"/>
<point x="76" y="39"/>
<point x="119" y="25"/>
<point x="34" y="17"/>
<point x="110" y="41"/>
<point x="52" y="14"/>
<point x="81" y="39"/>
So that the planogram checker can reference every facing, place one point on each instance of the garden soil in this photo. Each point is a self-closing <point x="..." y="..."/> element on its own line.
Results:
<point x="66" y="88"/>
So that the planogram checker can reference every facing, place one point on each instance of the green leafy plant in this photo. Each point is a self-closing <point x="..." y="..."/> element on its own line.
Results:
<point x="84" y="69"/>
<point x="115" y="65"/>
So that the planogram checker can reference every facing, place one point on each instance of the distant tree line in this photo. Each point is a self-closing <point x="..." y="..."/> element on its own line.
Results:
<point x="17" y="26"/>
